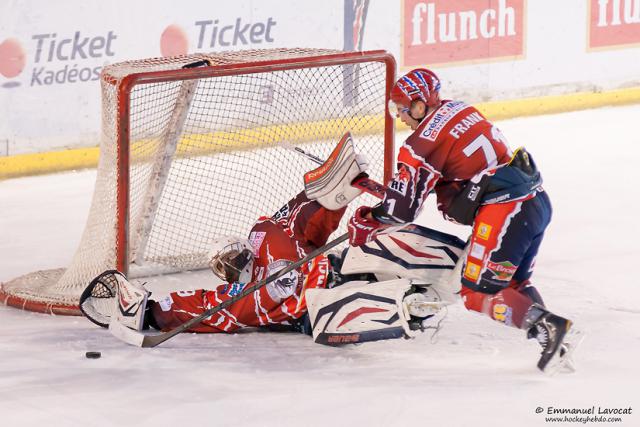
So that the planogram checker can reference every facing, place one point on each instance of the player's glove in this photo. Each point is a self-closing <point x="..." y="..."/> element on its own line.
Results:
<point x="363" y="228"/>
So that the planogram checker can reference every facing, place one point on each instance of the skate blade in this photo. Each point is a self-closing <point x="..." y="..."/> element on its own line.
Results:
<point x="565" y="363"/>
<point x="424" y="308"/>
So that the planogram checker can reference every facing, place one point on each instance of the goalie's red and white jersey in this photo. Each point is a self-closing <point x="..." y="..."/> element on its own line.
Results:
<point x="450" y="146"/>
<point x="261" y="308"/>
<point x="298" y="228"/>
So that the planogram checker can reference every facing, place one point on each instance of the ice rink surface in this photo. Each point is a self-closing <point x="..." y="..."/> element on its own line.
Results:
<point x="473" y="373"/>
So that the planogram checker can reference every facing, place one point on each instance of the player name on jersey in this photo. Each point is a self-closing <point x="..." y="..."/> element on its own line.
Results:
<point x="465" y="124"/>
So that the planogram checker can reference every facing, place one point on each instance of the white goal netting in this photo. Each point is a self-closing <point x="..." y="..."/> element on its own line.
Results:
<point x="193" y="151"/>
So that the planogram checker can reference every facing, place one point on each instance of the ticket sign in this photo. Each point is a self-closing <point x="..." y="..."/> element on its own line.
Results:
<point x="613" y="23"/>
<point x="444" y="31"/>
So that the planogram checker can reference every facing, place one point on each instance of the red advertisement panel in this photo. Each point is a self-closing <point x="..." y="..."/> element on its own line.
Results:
<point x="613" y="23"/>
<point x="444" y="31"/>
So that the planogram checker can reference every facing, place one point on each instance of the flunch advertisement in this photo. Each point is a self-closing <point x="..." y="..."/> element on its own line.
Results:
<point x="613" y="23"/>
<point x="445" y="32"/>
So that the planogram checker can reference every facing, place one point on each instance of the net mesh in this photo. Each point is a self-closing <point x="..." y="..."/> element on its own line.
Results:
<point x="208" y="156"/>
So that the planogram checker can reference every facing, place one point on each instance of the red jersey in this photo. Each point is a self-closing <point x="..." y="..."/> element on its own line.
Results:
<point x="295" y="230"/>
<point x="451" y="145"/>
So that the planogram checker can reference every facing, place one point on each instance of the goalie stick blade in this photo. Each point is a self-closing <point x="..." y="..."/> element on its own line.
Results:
<point x="125" y="334"/>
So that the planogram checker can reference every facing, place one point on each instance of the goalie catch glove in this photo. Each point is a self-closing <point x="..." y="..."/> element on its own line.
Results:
<point x="111" y="297"/>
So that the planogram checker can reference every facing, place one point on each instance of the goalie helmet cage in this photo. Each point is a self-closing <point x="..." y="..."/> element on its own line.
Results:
<point x="199" y="146"/>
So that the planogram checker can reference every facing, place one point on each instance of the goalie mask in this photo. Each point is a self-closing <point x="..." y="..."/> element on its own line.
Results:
<point x="231" y="259"/>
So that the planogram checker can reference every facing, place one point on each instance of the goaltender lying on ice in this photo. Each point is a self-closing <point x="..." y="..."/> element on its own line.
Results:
<point x="391" y="287"/>
<point x="312" y="297"/>
<point x="280" y="278"/>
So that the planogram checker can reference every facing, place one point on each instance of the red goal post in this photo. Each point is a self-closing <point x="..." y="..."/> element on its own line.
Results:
<point x="195" y="147"/>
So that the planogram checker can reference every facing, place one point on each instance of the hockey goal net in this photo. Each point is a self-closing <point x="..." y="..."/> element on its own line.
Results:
<point x="199" y="146"/>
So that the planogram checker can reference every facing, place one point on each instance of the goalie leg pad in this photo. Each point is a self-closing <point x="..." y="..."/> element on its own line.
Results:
<point x="330" y="184"/>
<point x="361" y="311"/>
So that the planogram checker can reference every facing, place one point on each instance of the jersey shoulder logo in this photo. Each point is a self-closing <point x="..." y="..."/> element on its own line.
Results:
<point x="440" y="118"/>
<point x="400" y="183"/>
<point x="291" y="278"/>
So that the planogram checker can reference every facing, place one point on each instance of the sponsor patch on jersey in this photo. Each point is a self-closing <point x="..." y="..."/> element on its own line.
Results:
<point x="484" y="231"/>
<point x="502" y="270"/>
<point x="472" y="271"/>
<point x="440" y="119"/>
<point x="477" y="251"/>
<point x="256" y="238"/>
<point x="233" y="289"/>
<point x="502" y="313"/>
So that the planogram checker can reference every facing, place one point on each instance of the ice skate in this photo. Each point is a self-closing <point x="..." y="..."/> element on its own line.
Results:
<point x="557" y="338"/>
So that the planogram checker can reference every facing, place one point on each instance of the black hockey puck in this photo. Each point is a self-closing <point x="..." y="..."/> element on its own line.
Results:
<point x="93" y="354"/>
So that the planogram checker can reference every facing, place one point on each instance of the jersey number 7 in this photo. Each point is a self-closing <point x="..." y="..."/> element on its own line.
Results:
<point x="483" y="143"/>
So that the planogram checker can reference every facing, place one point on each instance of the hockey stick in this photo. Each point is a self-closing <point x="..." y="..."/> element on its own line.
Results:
<point x="363" y="182"/>
<point x="141" y="340"/>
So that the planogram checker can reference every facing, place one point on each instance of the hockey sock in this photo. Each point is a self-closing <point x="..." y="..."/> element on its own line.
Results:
<point x="507" y="306"/>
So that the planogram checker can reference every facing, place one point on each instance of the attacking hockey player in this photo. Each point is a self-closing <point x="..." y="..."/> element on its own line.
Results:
<point x="299" y="227"/>
<point x="457" y="153"/>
